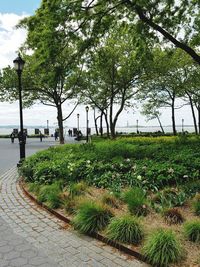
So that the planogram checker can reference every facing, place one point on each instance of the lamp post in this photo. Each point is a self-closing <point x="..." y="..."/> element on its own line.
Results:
<point x="137" y="126"/>
<point x="87" y="122"/>
<point x="19" y="65"/>
<point x="182" y="125"/>
<point x="78" y="115"/>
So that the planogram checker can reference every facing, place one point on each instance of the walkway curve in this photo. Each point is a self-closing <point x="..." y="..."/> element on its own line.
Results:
<point x="53" y="242"/>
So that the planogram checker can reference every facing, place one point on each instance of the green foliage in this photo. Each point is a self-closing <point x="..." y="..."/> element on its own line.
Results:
<point x="162" y="248"/>
<point x="70" y="205"/>
<point x="192" y="231"/>
<point x="77" y="189"/>
<point x="173" y="216"/>
<point x="34" y="188"/>
<point x="50" y="194"/>
<point x="196" y="204"/>
<point x="136" y="200"/>
<point x="126" y="229"/>
<point x="92" y="217"/>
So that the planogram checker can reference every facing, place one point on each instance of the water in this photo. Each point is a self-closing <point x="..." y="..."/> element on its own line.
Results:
<point x="167" y="129"/>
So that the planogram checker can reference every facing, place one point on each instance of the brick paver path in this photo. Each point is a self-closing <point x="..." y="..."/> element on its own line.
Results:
<point x="30" y="236"/>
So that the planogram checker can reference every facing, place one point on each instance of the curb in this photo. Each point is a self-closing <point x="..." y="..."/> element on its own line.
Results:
<point x="98" y="236"/>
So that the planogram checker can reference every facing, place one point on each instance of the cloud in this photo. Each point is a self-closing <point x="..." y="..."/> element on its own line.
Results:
<point x="10" y="37"/>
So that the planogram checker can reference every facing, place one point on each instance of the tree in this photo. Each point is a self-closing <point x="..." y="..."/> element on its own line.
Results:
<point x="176" y="21"/>
<point x="112" y="74"/>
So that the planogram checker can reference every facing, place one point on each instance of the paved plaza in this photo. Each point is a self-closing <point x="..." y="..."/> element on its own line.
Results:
<point x="30" y="236"/>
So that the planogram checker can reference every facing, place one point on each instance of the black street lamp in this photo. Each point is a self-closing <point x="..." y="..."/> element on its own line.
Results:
<point x="19" y="65"/>
<point x="87" y="122"/>
<point x="78" y="115"/>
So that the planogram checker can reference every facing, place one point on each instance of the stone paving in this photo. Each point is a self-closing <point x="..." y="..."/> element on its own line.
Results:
<point x="30" y="236"/>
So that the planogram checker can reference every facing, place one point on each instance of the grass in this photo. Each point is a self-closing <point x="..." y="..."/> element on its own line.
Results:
<point x="173" y="216"/>
<point x="192" y="231"/>
<point x="162" y="248"/>
<point x="196" y="204"/>
<point x="77" y="189"/>
<point x="126" y="229"/>
<point x="136" y="200"/>
<point x="110" y="199"/>
<point x="92" y="217"/>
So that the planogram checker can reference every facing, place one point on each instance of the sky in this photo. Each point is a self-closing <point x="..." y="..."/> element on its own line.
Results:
<point x="11" y="11"/>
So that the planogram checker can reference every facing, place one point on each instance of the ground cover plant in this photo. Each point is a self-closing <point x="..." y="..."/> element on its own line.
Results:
<point x="156" y="179"/>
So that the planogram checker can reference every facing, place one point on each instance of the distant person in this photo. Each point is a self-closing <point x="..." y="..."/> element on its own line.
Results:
<point x="56" y="135"/>
<point x="69" y="132"/>
<point x="24" y="136"/>
<point x="41" y="136"/>
<point x="12" y="137"/>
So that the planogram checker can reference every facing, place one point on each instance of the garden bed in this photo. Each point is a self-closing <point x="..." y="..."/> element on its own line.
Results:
<point x="139" y="181"/>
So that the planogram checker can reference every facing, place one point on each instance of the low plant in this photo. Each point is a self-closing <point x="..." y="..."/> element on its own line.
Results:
<point x="110" y="199"/>
<point x="162" y="248"/>
<point x="77" y="189"/>
<point x="173" y="216"/>
<point x="92" y="217"/>
<point x="196" y="204"/>
<point x="192" y="231"/>
<point x="125" y="229"/>
<point x="34" y="188"/>
<point x="69" y="205"/>
<point x="136" y="200"/>
<point x="50" y="194"/>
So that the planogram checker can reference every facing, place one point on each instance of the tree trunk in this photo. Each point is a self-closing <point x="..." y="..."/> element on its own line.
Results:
<point x="60" y="123"/>
<point x="161" y="127"/>
<point x="173" y="119"/>
<point x="101" y="124"/>
<point x="95" y="123"/>
<point x="193" y="115"/>
<point x="107" y="124"/>
<point x="198" y="109"/>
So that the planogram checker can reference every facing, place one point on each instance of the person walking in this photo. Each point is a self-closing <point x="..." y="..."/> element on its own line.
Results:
<point x="41" y="136"/>
<point x="12" y="137"/>
<point x="56" y="135"/>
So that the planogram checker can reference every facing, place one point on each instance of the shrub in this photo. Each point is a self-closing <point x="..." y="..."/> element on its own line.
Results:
<point x="69" y="205"/>
<point x="162" y="248"/>
<point x="126" y="229"/>
<point x="173" y="216"/>
<point x="77" y="189"/>
<point x="34" y="188"/>
<point x="92" y="217"/>
<point x="51" y="195"/>
<point x="136" y="200"/>
<point x="109" y="199"/>
<point x="192" y="231"/>
<point x="196" y="204"/>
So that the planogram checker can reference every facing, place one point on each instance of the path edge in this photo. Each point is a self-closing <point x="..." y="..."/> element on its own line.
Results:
<point x="97" y="236"/>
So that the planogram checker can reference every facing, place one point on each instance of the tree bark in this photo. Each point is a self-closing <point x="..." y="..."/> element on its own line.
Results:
<point x="161" y="127"/>
<point x="95" y="123"/>
<point x="107" y="124"/>
<point x="60" y="123"/>
<point x="193" y="114"/>
<point x="198" y="109"/>
<point x="101" y="124"/>
<point x="173" y="119"/>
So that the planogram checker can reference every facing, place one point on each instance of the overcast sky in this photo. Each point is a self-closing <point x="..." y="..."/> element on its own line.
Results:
<point x="11" y="11"/>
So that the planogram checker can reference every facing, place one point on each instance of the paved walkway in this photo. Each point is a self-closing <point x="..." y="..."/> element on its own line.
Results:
<point x="30" y="236"/>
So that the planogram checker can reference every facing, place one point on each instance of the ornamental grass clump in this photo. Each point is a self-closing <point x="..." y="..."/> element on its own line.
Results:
<point x="125" y="229"/>
<point x="192" y="231"/>
<point x="92" y="217"/>
<point x="196" y="204"/>
<point x="110" y="199"/>
<point x="77" y="189"/>
<point x="136" y="200"/>
<point x="173" y="216"/>
<point x="50" y="194"/>
<point x="162" y="248"/>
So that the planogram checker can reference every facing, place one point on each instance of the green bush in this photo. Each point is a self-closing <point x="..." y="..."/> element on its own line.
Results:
<point x="136" y="200"/>
<point x="50" y="194"/>
<point x="77" y="189"/>
<point x="92" y="217"/>
<point x="192" y="231"/>
<point x="34" y="188"/>
<point x="125" y="229"/>
<point x="196" y="204"/>
<point x="162" y="248"/>
<point x="110" y="199"/>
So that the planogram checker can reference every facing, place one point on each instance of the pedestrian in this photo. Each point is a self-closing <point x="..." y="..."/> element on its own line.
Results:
<point x="41" y="136"/>
<point x="69" y="132"/>
<point x="12" y="136"/>
<point x="56" y="135"/>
